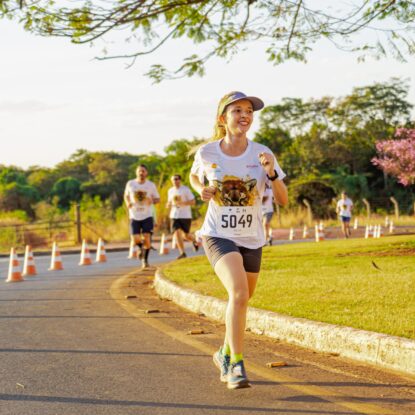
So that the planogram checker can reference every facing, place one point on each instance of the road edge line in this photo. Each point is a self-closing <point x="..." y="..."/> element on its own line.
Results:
<point x="339" y="399"/>
<point x="380" y="350"/>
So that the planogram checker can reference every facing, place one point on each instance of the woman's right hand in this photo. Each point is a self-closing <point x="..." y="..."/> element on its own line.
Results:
<point x="207" y="193"/>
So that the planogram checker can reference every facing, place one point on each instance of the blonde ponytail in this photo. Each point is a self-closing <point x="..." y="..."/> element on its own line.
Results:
<point x="219" y="130"/>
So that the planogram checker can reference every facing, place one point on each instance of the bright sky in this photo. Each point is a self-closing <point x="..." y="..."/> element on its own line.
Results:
<point x="55" y="98"/>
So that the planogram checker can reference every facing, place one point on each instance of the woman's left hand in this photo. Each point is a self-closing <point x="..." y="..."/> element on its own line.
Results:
<point x="267" y="162"/>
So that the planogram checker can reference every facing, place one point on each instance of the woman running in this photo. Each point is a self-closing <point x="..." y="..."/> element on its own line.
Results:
<point x="236" y="170"/>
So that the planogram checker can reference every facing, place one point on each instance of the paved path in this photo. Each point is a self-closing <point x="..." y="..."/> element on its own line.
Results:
<point x="70" y="343"/>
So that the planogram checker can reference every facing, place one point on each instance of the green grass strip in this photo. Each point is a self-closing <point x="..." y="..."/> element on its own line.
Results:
<point x="332" y="281"/>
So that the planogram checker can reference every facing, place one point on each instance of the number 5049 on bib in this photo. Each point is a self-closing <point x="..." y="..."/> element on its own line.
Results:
<point x="237" y="221"/>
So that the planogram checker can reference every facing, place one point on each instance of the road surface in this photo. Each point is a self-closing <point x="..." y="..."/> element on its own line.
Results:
<point x="71" y="343"/>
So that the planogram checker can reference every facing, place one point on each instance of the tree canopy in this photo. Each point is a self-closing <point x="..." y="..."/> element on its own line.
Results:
<point x="397" y="156"/>
<point x="288" y="29"/>
<point x="324" y="144"/>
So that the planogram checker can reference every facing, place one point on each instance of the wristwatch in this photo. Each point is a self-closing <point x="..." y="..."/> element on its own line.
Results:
<point x="275" y="177"/>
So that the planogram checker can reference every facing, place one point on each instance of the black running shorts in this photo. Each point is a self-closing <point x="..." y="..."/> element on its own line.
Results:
<point x="141" y="226"/>
<point x="183" y="224"/>
<point x="216" y="248"/>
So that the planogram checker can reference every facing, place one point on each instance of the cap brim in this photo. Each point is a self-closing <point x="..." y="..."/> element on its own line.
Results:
<point x="257" y="104"/>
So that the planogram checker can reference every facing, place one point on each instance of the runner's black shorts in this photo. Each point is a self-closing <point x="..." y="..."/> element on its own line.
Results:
<point x="216" y="248"/>
<point x="141" y="226"/>
<point x="183" y="224"/>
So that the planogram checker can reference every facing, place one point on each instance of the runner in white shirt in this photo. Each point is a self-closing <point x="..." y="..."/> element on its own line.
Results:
<point x="179" y="201"/>
<point x="236" y="170"/>
<point x="140" y="194"/>
<point x="344" y="210"/>
<point x="267" y="211"/>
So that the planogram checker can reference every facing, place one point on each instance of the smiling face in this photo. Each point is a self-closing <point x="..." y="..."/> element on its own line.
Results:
<point x="238" y="117"/>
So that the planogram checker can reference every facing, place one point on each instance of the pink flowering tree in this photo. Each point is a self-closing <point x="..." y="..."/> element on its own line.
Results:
<point x="396" y="157"/>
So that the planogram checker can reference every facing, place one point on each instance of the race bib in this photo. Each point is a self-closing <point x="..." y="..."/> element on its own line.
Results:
<point x="238" y="221"/>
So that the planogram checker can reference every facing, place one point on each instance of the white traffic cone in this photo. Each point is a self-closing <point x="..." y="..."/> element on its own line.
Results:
<point x="174" y="242"/>
<point x="163" y="248"/>
<point x="101" y="254"/>
<point x="29" y="267"/>
<point x="356" y="223"/>
<point x="85" y="255"/>
<point x="14" y="268"/>
<point x="56" y="261"/>
<point x="133" y="253"/>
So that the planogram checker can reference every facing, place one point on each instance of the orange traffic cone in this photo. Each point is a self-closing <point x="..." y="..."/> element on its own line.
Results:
<point x="14" y="268"/>
<point x="133" y="250"/>
<point x="85" y="255"/>
<point x="174" y="242"/>
<point x="29" y="267"/>
<point x="319" y="234"/>
<point x="163" y="248"/>
<point x="101" y="254"/>
<point x="56" y="261"/>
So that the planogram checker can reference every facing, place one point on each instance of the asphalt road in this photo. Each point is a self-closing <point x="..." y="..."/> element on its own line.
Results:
<point x="70" y="343"/>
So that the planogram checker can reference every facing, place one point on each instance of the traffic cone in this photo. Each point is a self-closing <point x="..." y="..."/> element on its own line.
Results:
<point x="133" y="253"/>
<point x="85" y="255"/>
<point x="291" y="237"/>
<point x="356" y="223"/>
<point x="101" y="254"/>
<point x="319" y="234"/>
<point x="370" y="231"/>
<point x="174" y="242"/>
<point x="56" y="261"/>
<point x="14" y="268"/>
<point x="305" y="232"/>
<point x="29" y="267"/>
<point x="163" y="248"/>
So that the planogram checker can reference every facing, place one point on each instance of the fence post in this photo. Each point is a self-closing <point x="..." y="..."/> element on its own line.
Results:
<point x="310" y="213"/>
<point x="367" y="204"/>
<point x="395" y="205"/>
<point x="78" y="223"/>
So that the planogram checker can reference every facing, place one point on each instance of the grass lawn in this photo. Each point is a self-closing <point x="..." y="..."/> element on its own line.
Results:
<point x="331" y="281"/>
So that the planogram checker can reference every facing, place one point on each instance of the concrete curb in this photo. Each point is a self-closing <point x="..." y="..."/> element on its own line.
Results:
<point x="377" y="349"/>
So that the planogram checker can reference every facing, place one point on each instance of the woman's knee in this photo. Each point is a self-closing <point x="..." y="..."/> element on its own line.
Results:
<point x="239" y="298"/>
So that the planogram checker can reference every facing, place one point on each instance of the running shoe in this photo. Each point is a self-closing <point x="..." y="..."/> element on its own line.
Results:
<point x="222" y="362"/>
<point x="195" y="246"/>
<point x="237" y="378"/>
<point x="181" y="256"/>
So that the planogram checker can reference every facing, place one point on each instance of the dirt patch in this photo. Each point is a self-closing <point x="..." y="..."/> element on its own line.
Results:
<point x="389" y="252"/>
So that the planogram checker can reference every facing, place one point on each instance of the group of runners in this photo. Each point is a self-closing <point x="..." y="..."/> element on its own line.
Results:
<point x="239" y="179"/>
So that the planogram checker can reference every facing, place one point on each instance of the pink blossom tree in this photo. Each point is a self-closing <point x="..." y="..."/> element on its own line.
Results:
<point x="396" y="157"/>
